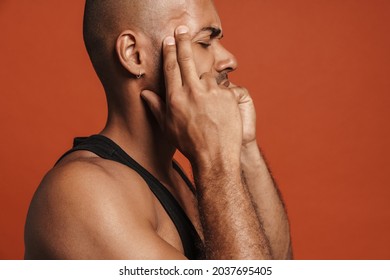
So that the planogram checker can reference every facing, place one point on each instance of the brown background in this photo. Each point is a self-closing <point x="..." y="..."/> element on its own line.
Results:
<point x="319" y="74"/>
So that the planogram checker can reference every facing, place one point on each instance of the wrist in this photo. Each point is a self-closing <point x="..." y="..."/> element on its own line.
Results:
<point x="250" y="155"/>
<point x="249" y="145"/>
<point x="249" y="150"/>
<point x="206" y="161"/>
<point x="216" y="167"/>
<point x="226" y="156"/>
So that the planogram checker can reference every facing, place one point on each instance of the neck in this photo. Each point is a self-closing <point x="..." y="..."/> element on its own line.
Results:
<point x="134" y="129"/>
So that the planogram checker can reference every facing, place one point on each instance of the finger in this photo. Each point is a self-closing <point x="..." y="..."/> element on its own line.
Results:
<point x="156" y="105"/>
<point x="231" y="85"/>
<point x="185" y="56"/>
<point x="209" y="78"/>
<point x="172" y="75"/>
<point x="241" y="94"/>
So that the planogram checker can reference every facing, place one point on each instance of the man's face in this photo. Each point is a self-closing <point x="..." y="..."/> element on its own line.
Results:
<point x="205" y="28"/>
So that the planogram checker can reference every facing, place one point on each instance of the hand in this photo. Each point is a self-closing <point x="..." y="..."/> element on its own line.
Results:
<point x="201" y="117"/>
<point x="248" y="114"/>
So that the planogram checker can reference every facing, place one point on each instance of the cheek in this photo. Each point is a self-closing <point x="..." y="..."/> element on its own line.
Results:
<point x="154" y="76"/>
<point x="204" y="60"/>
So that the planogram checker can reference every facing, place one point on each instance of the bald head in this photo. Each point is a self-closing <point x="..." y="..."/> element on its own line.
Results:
<point x="104" y="20"/>
<point x="124" y="37"/>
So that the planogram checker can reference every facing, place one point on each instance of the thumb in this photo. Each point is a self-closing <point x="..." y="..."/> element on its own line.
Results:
<point x="156" y="105"/>
<point x="241" y="94"/>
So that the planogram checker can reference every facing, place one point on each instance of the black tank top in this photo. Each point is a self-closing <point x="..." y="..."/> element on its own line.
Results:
<point x="108" y="149"/>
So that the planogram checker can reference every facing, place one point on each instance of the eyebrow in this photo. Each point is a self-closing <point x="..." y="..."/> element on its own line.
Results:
<point x="214" y="31"/>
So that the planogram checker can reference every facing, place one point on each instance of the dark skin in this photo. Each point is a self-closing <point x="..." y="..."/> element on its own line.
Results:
<point x="87" y="207"/>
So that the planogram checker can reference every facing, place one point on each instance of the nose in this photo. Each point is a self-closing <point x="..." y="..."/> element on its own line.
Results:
<point x="224" y="60"/>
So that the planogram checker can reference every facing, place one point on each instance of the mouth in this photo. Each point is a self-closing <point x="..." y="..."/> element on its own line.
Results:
<point x="226" y="83"/>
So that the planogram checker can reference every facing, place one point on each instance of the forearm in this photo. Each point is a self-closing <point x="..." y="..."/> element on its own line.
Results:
<point x="231" y="228"/>
<point x="268" y="203"/>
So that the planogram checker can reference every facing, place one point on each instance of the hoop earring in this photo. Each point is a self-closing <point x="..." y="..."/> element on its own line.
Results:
<point x="139" y="75"/>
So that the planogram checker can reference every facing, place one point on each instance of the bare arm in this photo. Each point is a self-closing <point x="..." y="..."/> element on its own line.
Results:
<point x="231" y="227"/>
<point x="203" y="119"/>
<point x="268" y="203"/>
<point x="264" y="193"/>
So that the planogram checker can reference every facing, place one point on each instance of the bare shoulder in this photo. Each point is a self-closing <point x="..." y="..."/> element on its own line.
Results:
<point x="91" y="208"/>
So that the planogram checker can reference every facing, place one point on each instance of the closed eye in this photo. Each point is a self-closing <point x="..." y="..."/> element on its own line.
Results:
<point x="205" y="44"/>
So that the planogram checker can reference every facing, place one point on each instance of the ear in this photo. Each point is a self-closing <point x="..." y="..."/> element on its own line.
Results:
<point x="129" y="56"/>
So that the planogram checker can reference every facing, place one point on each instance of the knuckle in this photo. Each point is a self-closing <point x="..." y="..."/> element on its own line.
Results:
<point x="175" y="100"/>
<point x="240" y="89"/>
<point x="214" y="91"/>
<point x="210" y="82"/>
<point x="231" y="94"/>
<point x="196" y="90"/>
<point x="206" y="76"/>
<point x="244" y="90"/>
<point x="184" y="57"/>
<point x="235" y="91"/>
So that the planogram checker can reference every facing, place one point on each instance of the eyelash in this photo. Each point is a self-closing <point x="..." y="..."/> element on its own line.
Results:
<point x="205" y="45"/>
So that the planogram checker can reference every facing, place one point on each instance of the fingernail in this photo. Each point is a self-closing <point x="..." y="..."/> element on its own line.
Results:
<point x="170" y="41"/>
<point x="182" y="29"/>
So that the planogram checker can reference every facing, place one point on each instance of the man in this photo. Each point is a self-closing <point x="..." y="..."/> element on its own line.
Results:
<point x="164" y="72"/>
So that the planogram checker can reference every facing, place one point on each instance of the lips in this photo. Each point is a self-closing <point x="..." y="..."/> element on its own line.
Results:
<point x="226" y="83"/>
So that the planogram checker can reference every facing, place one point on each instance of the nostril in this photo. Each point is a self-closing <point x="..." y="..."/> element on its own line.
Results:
<point x="230" y="69"/>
